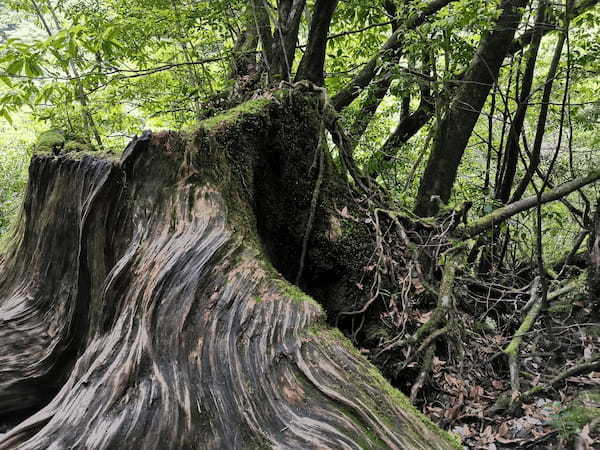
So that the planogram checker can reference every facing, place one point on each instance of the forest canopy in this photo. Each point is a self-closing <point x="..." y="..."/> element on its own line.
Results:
<point x="465" y="133"/>
<point x="106" y="70"/>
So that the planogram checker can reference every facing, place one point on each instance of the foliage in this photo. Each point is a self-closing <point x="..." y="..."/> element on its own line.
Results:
<point x="15" y="150"/>
<point x="578" y="413"/>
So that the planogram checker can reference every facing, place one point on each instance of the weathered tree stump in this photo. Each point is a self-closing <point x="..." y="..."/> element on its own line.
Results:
<point x="139" y="307"/>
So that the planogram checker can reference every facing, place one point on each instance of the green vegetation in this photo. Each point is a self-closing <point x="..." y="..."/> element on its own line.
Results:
<point x="375" y="378"/>
<point x="443" y="122"/>
<point x="16" y="143"/>
<point x="251" y="107"/>
<point x="294" y="293"/>
<point x="578" y="413"/>
<point x="50" y="141"/>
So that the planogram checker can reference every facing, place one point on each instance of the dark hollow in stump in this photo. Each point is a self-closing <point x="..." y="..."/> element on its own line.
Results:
<point x="139" y="307"/>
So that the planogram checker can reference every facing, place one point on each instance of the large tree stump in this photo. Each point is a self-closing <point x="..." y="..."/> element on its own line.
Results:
<point x="139" y="307"/>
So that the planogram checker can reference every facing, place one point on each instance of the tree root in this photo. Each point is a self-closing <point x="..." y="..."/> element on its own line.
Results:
<point x="425" y="369"/>
<point x="426" y="344"/>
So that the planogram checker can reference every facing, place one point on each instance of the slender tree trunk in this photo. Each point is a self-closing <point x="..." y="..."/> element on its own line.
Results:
<point x="512" y="151"/>
<point x="390" y="49"/>
<point x="422" y="116"/>
<point x="244" y="56"/>
<point x="536" y="151"/>
<point x="410" y="123"/>
<point x="79" y="90"/>
<point x="593" y="271"/>
<point x="456" y="127"/>
<point x="286" y="34"/>
<point x="313" y="61"/>
<point x="374" y="96"/>
<point x="262" y="23"/>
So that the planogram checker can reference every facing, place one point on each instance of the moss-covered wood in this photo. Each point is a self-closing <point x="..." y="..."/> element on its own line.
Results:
<point x="144" y="302"/>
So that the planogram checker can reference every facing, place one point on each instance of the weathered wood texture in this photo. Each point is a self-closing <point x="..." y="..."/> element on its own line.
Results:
<point x="138" y="310"/>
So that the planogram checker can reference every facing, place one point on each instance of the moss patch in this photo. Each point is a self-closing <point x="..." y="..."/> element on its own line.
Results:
<point x="231" y="116"/>
<point x="376" y="379"/>
<point x="77" y="146"/>
<point x="293" y="292"/>
<point x="402" y="401"/>
<point x="560" y="308"/>
<point x="581" y="411"/>
<point x="50" y="141"/>
<point x="54" y="141"/>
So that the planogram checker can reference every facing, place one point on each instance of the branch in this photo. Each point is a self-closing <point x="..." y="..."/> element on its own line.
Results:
<point x="501" y="214"/>
<point x="425" y="115"/>
<point x="353" y="89"/>
<point x="263" y="26"/>
<point x="579" y="369"/>
<point x="512" y="350"/>
<point x="286" y="36"/>
<point x="523" y="41"/>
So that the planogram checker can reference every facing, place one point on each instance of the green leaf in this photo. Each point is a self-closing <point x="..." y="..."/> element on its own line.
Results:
<point x="6" y="81"/>
<point x="4" y="113"/>
<point x="15" y="67"/>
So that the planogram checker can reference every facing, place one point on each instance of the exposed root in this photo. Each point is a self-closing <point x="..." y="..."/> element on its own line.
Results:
<point x="426" y="344"/>
<point x="425" y="370"/>
<point x="313" y="205"/>
<point x="579" y="369"/>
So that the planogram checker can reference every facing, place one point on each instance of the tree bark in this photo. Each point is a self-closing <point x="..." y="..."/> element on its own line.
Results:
<point x="313" y="61"/>
<point x="144" y="302"/>
<point x="286" y="35"/>
<point x="262" y="22"/>
<point x="512" y="150"/>
<point x="457" y="125"/>
<point x="593" y="270"/>
<point x="410" y="123"/>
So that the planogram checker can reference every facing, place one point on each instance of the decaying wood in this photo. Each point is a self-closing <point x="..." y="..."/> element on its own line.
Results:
<point x="139" y="307"/>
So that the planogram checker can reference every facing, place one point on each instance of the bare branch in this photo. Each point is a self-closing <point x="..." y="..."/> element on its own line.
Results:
<point x="353" y="89"/>
<point x="501" y="214"/>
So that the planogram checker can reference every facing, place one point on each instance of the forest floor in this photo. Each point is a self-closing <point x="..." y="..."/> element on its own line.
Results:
<point x="464" y="396"/>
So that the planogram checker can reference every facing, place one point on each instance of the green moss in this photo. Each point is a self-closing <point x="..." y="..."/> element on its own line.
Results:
<point x="593" y="331"/>
<point x="370" y="437"/>
<point x="377" y="380"/>
<point x="77" y="146"/>
<point x="231" y="116"/>
<point x="55" y="140"/>
<point x="50" y="140"/>
<point x="438" y="316"/>
<point x="581" y="411"/>
<point x="293" y="292"/>
<point x="258" y="299"/>
<point x="560" y="308"/>
<point x="401" y="400"/>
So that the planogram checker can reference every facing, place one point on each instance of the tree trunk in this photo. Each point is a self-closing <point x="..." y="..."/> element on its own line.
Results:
<point x="457" y="125"/>
<point x="513" y="149"/>
<point x="313" y="61"/>
<point x="144" y="302"/>
<point x="593" y="270"/>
